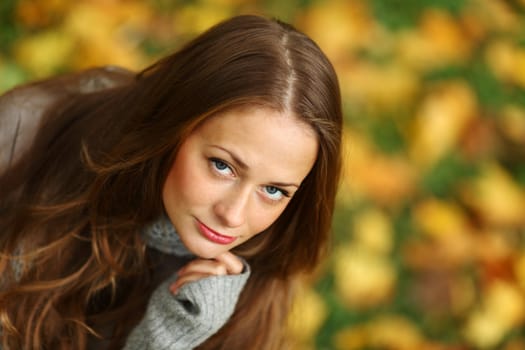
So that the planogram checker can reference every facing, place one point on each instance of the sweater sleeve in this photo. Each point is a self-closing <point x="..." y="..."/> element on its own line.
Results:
<point x="185" y="320"/>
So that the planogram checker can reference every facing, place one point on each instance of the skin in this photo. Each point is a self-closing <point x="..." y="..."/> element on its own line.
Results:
<point x="234" y="175"/>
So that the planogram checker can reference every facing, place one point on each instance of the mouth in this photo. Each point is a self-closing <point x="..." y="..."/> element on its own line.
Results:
<point x="214" y="236"/>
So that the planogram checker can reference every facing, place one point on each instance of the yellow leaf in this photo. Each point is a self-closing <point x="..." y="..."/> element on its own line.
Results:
<point x="307" y="315"/>
<point x="40" y="13"/>
<point x="449" y="229"/>
<point x="513" y="123"/>
<point x="441" y="119"/>
<point x="519" y="267"/>
<point x="502" y="309"/>
<point x="338" y="26"/>
<point x="493" y="246"/>
<point x="45" y="53"/>
<point x="441" y="219"/>
<point x="496" y="15"/>
<point x="395" y="332"/>
<point x="351" y="338"/>
<point x="88" y="22"/>
<point x="505" y="303"/>
<point x="193" y="19"/>
<point x="439" y="40"/>
<point x="378" y="87"/>
<point x="482" y="332"/>
<point x="370" y="174"/>
<point x="373" y="230"/>
<point x="507" y="60"/>
<point x="362" y="279"/>
<point x="384" y="332"/>
<point x="496" y="197"/>
<point x="107" y="42"/>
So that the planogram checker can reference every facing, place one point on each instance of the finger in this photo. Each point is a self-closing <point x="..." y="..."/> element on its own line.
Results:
<point x="233" y="264"/>
<point x="209" y="267"/>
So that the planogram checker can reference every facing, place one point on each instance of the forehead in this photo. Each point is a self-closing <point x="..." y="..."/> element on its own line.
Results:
<point x="265" y="139"/>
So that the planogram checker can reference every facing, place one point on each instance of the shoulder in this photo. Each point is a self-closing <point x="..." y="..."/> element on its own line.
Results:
<point x="95" y="79"/>
<point x="22" y="108"/>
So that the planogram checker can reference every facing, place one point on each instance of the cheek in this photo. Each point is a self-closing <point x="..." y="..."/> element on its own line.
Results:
<point x="184" y="183"/>
<point x="189" y="181"/>
<point x="179" y="179"/>
<point x="169" y="191"/>
<point x="261" y="220"/>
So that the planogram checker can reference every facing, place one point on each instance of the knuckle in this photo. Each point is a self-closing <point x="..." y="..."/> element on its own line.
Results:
<point x="237" y="266"/>
<point x="220" y="269"/>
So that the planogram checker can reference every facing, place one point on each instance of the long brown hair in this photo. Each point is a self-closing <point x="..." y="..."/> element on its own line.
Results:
<point x="74" y="204"/>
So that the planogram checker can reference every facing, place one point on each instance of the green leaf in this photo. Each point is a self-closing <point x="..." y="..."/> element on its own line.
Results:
<point x="9" y="29"/>
<point x="442" y="178"/>
<point x="386" y="135"/>
<point x="12" y="75"/>
<point x="399" y="14"/>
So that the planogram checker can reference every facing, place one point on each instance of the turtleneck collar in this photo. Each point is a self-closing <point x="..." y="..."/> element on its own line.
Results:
<point x="161" y="235"/>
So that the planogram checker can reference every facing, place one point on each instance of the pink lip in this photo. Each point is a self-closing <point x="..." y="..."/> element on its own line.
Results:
<point x="214" y="236"/>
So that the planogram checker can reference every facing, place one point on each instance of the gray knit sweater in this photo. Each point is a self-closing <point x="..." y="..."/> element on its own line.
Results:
<point x="194" y="313"/>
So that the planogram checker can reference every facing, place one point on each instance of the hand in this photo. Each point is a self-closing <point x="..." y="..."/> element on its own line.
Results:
<point x="223" y="264"/>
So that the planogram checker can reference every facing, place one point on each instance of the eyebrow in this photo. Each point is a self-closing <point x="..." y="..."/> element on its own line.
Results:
<point x="244" y="166"/>
<point x="235" y="157"/>
<point x="284" y="184"/>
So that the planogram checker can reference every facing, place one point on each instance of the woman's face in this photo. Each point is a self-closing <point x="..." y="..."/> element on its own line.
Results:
<point x="234" y="175"/>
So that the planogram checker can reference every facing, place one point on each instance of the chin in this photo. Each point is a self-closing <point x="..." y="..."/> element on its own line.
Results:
<point x="207" y="255"/>
<point x="203" y="250"/>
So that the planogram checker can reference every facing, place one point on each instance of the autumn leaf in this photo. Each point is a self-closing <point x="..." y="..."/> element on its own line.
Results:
<point x="496" y="197"/>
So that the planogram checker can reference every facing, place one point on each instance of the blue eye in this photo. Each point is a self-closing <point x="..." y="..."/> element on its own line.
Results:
<point x="221" y="167"/>
<point x="274" y="193"/>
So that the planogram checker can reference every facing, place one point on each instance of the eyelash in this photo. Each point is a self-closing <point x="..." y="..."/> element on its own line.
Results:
<point x="283" y="192"/>
<point x="215" y="161"/>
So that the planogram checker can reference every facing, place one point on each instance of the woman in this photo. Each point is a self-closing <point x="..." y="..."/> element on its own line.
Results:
<point x="174" y="208"/>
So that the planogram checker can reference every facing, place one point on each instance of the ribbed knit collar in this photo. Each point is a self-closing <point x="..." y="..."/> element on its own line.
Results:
<point x="162" y="236"/>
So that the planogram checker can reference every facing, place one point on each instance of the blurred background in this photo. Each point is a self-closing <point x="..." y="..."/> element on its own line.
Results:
<point x="429" y="234"/>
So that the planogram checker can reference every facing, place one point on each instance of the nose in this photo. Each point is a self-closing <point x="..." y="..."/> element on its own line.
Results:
<point x="232" y="208"/>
